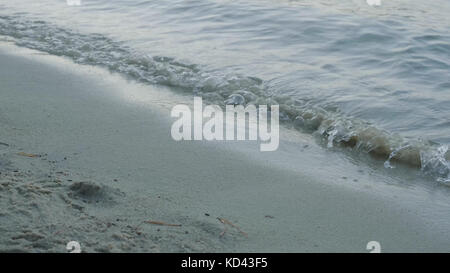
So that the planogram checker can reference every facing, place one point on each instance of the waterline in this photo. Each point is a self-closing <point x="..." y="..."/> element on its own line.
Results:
<point x="251" y="122"/>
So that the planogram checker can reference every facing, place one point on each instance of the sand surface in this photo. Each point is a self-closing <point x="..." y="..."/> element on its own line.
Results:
<point x="87" y="156"/>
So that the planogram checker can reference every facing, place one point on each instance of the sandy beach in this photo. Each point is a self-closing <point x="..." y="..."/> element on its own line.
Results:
<point x="87" y="156"/>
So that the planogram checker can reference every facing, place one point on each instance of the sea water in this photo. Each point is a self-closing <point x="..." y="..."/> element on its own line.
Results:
<point x="370" y="78"/>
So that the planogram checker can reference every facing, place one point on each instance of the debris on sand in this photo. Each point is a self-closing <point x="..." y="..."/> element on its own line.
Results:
<point x="28" y="155"/>
<point x="4" y="144"/>
<point x="227" y="223"/>
<point x="162" y="224"/>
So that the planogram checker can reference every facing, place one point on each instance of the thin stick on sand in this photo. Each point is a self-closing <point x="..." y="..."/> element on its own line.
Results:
<point x="225" y="222"/>
<point x="162" y="224"/>
<point x="28" y="155"/>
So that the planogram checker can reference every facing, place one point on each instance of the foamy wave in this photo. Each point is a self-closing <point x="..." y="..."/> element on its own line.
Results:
<point x="334" y="128"/>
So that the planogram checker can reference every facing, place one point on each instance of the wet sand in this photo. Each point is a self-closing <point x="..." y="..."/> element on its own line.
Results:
<point x="87" y="156"/>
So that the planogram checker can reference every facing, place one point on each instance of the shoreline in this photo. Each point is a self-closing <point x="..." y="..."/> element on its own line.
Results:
<point x="107" y="141"/>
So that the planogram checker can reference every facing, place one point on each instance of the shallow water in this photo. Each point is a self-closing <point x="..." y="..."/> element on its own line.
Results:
<point x="374" y="78"/>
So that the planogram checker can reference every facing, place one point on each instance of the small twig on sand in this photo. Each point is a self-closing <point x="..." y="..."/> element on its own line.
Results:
<point x="225" y="222"/>
<point x="162" y="224"/>
<point x="28" y="155"/>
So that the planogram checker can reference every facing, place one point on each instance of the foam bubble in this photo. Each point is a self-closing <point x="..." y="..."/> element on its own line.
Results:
<point x="221" y="88"/>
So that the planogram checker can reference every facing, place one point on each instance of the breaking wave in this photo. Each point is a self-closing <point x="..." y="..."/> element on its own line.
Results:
<point x="221" y="88"/>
